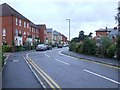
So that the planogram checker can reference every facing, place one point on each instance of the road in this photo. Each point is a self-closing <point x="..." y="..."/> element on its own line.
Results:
<point x="56" y="70"/>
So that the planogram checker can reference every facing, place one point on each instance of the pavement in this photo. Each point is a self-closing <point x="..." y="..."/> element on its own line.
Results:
<point x="17" y="74"/>
<point x="107" y="61"/>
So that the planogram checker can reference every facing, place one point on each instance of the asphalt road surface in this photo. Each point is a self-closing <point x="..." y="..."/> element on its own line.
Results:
<point x="56" y="70"/>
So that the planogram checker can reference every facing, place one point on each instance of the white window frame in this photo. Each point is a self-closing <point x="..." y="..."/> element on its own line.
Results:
<point x="24" y="24"/>
<point x="4" y="32"/>
<point x="27" y="25"/>
<point x="16" y="21"/>
<point x="16" y="32"/>
<point x="20" y="22"/>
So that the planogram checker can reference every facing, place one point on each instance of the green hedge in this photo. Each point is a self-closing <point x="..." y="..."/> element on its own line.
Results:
<point x="6" y="48"/>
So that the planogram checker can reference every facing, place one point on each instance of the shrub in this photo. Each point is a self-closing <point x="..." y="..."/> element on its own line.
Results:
<point x="118" y="47"/>
<point x="6" y="48"/>
<point x="72" y="46"/>
<point x="3" y="58"/>
<point x="111" y="51"/>
<point x="89" y="46"/>
<point x="79" y="48"/>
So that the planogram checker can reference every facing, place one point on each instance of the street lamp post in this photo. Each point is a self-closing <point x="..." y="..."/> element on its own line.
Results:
<point x="118" y="15"/>
<point x="69" y="28"/>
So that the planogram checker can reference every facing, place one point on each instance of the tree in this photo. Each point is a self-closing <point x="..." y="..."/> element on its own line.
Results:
<point x="76" y="39"/>
<point x="118" y="47"/>
<point x="90" y="35"/>
<point x="89" y="46"/>
<point x="111" y="51"/>
<point x="81" y="35"/>
<point x="104" y="44"/>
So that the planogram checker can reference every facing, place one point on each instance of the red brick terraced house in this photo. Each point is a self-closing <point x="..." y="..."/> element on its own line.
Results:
<point x="43" y="33"/>
<point x="16" y="28"/>
<point x="64" y="39"/>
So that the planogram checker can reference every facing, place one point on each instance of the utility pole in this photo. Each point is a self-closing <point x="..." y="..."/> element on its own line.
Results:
<point x="69" y="28"/>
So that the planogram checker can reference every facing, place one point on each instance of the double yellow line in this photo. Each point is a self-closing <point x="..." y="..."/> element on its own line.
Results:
<point x="49" y="81"/>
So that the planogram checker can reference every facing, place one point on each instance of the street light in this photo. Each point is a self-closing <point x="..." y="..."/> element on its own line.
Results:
<point x="69" y="28"/>
<point x="118" y="15"/>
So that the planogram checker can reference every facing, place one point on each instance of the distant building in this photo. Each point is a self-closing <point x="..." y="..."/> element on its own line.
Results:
<point x="43" y="32"/>
<point x="103" y="32"/>
<point x="57" y="38"/>
<point x="50" y="35"/>
<point x="64" y="39"/>
<point x="108" y="32"/>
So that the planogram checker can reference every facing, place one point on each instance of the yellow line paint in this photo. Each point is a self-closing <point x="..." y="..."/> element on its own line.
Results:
<point x="48" y="77"/>
<point x="43" y="76"/>
<point x="40" y="71"/>
<point x="100" y="63"/>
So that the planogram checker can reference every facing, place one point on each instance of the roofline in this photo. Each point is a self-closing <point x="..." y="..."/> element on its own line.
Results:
<point x="13" y="12"/>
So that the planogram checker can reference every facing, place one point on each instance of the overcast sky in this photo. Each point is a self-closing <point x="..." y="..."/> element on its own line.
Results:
<point x="86" y="15"/>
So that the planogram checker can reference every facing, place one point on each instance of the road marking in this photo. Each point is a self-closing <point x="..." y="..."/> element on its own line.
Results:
<point x="16" y="60"/>
<point x="62" y="61"/>
<point x="101" y="76"/>
<point x="57" y="86"/>
<point x="64" y="54"/>
<point x="101" y="64"/>
<point x="34" y="72"/>
<point x="47" y="55"/>
<point x="44" y="75"/>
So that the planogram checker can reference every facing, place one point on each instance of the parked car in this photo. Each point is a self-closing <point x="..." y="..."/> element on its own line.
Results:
<point x="59" y="46"/>
<point x="41" y="47"/>
<point x="49" y="47"/>
<point x="65" y="45"/>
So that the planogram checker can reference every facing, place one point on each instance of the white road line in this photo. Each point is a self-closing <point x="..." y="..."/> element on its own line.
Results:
<point x="101" y="76"/>
<point x="64" y="54"/>
<point x="47" y="55"/>
<point x="34" y="72"/>
<point x="62" y="61"/>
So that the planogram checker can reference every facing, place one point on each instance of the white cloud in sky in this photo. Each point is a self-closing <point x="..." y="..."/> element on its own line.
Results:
<point x="87" y="15"/>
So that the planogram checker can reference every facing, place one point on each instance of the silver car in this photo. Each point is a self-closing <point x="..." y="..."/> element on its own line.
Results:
<point x="41" y="47"/>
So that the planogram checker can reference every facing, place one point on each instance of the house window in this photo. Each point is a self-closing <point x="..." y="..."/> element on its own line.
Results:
<point x="16" y="32"/>
<point x="16" y="21"/>
<point x="27" y="25"/>
<point x="24" y="33"/>
<point x="4" y="32"/>
<point x="32" y="30"/>
<point x="24" y="24"/>
<point x="28" y="33"/>
<point x="20" y="23"/>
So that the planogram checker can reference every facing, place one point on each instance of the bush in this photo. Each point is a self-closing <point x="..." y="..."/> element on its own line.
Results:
<point x="118" y="47"/>
<point x="3" y="58"/>
<point x="72" y="46"/>
<point x="104" y="44"/>
<point x="6" y="48"/>
<point x="79" y="48"/>
<point x="89" y="46"/>
<point x="111" y="51"/>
